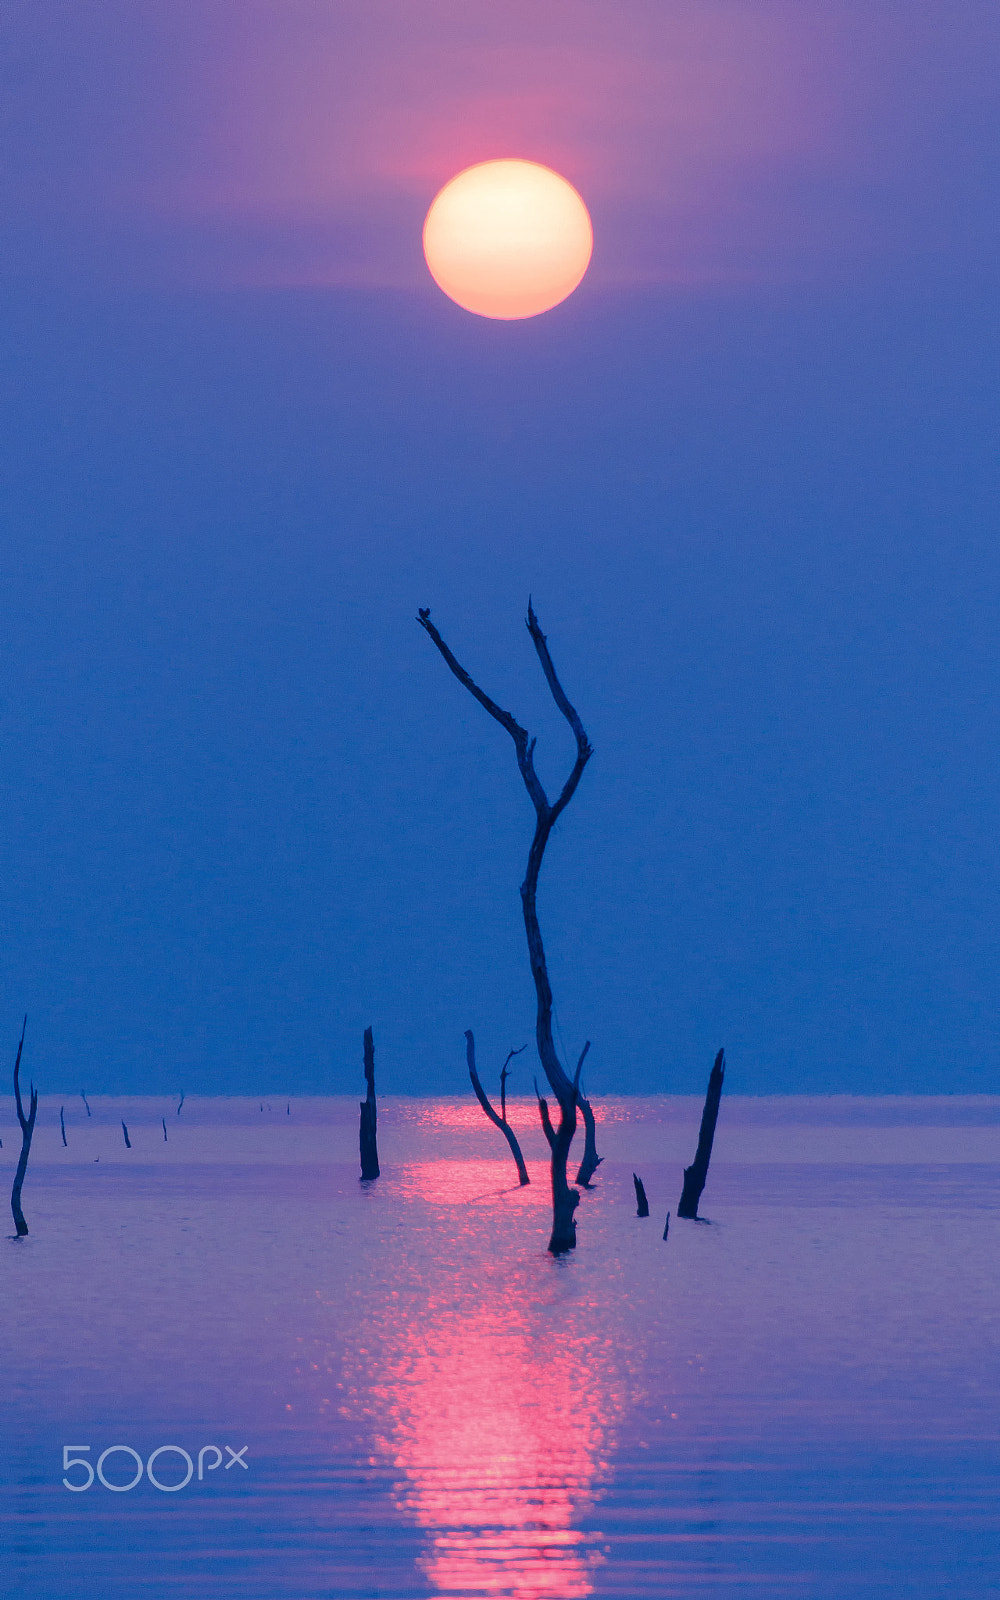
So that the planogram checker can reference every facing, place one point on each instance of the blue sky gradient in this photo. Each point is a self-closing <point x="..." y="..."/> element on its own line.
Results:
<point x="749" y="474"/>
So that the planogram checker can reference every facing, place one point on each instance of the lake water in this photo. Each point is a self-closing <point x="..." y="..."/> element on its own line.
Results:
<point x="800" y="1397"/>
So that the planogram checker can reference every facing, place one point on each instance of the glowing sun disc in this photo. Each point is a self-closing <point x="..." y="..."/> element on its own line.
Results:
<point x="508" y="239"/>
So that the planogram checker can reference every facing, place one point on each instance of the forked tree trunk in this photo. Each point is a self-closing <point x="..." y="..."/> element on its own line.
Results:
<point x="498" y="1122"/>
<point x="564" y="1199"/>
<point x="27" y="1129"/>
<point x="369" y="1115"/>
<point x="696" y="1174"/>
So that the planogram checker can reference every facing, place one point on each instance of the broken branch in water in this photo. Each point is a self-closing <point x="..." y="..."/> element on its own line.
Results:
<point x="696" y="1174"/>
<point x="369" y="1115"/>
<point x="504" y="1075"/>
<point x="27" y="1124"/>
<point x="498" y="1122"/>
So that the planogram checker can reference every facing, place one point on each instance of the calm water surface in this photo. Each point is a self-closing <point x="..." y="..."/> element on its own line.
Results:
<point x="799" y="1397"/>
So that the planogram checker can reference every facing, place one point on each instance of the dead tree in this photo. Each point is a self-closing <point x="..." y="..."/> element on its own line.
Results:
<point x="369" y="1115"/>
<point x="591" y="1160"/>
<point x="498" y="1122"/>
<point x="564" y="1199"/>
<point x="27" y="1129"/>
<point x="696" y="1174"/>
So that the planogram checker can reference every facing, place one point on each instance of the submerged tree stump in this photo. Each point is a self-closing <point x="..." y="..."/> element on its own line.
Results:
<point x="369" y="1115"/>
<point x="27" y="1129"/>
<point x="696" y="1174"/>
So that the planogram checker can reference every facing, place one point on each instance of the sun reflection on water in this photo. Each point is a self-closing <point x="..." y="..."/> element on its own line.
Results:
<point x="494" y="1401"/>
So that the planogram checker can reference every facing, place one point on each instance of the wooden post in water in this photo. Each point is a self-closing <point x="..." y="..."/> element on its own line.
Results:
<point x="696" y="1174"/>
<point x="369" y="1115"/>
<point x="62" y="1124"/>
<point x="27" y="1129"/>
<point x="128" y="1142"/>
<point x="641" y="1203"/>
<point x="498" y="1122"/>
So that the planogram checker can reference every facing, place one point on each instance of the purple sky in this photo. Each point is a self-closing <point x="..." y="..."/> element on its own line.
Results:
<point x="299" y="143"/>
<point x="749" y="473"/>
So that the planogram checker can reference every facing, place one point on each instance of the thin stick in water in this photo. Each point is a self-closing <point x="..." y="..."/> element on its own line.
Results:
<point x="62" y="1123"/>
<point x="128" y="1142"/>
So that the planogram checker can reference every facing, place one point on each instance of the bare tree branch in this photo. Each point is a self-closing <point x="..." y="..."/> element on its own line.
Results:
<point x="504" y="1075"/>
<point x="584" y="749"/>
<point x="543" y="1112"/>
<point x="499" y="1122"/>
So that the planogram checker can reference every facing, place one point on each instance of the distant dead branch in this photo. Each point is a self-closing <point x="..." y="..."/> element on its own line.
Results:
<point x="27" y="1124"/>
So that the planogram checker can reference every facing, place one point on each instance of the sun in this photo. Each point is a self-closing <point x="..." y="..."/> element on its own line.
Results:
<point x="508" y="239"/>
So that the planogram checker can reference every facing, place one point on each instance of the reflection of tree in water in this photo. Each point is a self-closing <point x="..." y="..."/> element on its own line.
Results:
<point x="497" y="1411"/>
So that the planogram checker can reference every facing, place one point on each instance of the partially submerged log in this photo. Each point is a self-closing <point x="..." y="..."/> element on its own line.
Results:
<point x="369" y="1115"/>
<point x="27" y="1129"/>
<point x="498" y="1122"/>
<point x="564" y="1198"/>
<point x="641" y="1203"/>
<point x="696" y="1174"/>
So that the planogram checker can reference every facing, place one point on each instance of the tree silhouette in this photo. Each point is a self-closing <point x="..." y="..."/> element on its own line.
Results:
<point x="564" y="1199"/>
